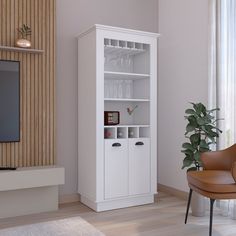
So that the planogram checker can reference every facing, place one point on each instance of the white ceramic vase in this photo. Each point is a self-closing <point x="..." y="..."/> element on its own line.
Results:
<point x="197" y="204"/>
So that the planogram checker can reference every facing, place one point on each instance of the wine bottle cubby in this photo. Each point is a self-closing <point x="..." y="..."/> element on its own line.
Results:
<point x="124" y="132"/>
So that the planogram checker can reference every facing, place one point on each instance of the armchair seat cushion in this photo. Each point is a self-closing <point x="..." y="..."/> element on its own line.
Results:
<point x="215" y="181"/>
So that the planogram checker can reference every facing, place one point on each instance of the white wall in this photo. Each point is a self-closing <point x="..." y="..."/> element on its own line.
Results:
<point x="182" y="79"/>
<point x="74" y="16"/>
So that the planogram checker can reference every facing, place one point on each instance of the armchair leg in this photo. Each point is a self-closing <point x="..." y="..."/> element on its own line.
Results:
<point x="211" y="215"/>
<point x="189" y="201"/>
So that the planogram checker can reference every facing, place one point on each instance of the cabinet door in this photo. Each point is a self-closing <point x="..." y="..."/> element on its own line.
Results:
<point x="116" y="168"/>
<point x="139" y="166"/>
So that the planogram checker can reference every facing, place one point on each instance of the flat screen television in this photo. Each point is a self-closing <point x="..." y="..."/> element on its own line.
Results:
<point x="9" y="101"/>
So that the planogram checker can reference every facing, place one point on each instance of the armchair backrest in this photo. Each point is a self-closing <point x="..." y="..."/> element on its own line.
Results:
<point x="219" y="160"/>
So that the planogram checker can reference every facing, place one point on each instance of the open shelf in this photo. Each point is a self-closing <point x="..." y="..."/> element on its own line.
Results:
<point x="16" y="49"/>
<point x="126" y="100"/>
<point x="124" y="75"/>
<point x="134" y="125"/>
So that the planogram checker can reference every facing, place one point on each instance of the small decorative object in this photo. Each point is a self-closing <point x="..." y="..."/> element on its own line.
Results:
<point x="120" y="134"/>
<point x="107" y="134"/>
<point x="24" y="31"/>
<point x="131" y="133"/>
<point x="111" y="117"/>
<point x="130" y="110"/>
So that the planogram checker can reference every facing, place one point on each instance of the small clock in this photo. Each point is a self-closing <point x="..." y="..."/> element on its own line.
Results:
<point x="111" y="117"/>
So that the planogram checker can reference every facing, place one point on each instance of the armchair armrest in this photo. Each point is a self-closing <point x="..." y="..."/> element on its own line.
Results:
<point x="217" y="160"/>
<point x="233" y="171"/>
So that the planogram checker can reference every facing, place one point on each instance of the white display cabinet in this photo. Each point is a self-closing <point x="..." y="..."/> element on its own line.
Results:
<point x="117" y="71"/>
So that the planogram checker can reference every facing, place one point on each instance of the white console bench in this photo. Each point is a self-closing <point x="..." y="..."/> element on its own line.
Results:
<point x="29" y="190"/>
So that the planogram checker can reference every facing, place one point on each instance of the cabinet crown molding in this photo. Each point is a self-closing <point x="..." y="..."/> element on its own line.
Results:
<point x="118" y="29"/>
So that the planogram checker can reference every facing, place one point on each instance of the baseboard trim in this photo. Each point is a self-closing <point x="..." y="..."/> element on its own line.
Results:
<point x="68" y="198"/>
<point x="172" y="191"/>
<point x="75" y="197"/>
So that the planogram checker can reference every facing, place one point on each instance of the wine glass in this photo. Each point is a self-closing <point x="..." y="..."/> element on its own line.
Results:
<point x="127" y="62"/>
<point x="120" y="88"/>
<point x="111" y="89"/>
<point x="115" y="88"/>
<point x="128" y="88"/>
<point x="106" y="89"/>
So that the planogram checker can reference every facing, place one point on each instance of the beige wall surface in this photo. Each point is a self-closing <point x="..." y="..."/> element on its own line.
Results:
<point x="74" y="16"/>
<point x="182" y="78"/>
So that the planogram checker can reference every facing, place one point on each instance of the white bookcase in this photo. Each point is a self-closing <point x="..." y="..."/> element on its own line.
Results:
<point x="117" y="71"/>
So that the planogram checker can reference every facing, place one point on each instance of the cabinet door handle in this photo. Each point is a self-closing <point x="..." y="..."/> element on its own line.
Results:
<point x="116" y="145"/>
<point x="139" y="143"/>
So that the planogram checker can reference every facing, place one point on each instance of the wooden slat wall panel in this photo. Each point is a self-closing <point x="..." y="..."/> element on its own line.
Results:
<point x="37" y="81"/>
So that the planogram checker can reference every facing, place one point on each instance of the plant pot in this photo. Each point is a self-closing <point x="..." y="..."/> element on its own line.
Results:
<point x="23" y="43"/>
<point x="197" y="205"/>
<point x="233" y="209"/>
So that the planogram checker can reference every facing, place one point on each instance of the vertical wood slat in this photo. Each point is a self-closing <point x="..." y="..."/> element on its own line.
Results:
<point x="1" y="40"/>
<point x="32" y="100"/>
<point x="20" y="58"/>
<point x="16" y="16"/>
<point x="52" y="81"/>
<point x="4" y="35"/>
<point x="37" y="82"/>
<point x="44" y="85"/>
<point x="8" y="57"/>
<point x="12" y="32"/>
<point x="28" y="88"/>
<point x="47" y="84"/>
<point x="36" y="134"/>
<point x="40" y="7"/>
<point x="24" y="100"/>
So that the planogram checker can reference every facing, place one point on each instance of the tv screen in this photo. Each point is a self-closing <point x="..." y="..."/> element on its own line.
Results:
<point x="9" y="101"/>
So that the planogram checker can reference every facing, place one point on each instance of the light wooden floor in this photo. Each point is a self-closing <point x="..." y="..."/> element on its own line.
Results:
<point x="164" y="218"/>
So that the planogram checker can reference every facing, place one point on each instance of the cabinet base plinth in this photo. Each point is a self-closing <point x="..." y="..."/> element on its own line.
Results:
<point x="118" y="203"/>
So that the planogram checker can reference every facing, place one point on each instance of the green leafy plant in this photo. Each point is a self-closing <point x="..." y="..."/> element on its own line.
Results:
<point x="201" y="131"/>
<point x="24" y="31"/>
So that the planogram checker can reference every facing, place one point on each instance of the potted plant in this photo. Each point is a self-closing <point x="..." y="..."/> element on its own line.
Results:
<point x="24" y="31"/>
<point x="201" y="132"/>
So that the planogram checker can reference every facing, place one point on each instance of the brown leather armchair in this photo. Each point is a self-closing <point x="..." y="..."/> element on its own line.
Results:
<point x="217" y="180"/>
